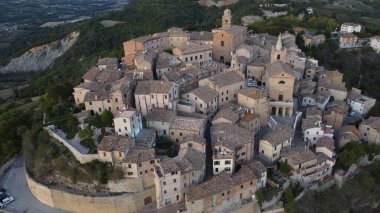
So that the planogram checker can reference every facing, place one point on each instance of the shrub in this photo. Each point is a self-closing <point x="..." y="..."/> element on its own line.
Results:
<point x="285" y="168"/>
<point x="89" y="144"/>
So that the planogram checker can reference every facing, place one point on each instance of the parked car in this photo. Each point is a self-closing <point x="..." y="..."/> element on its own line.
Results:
<point x="7" y="200"/>
<point x="352" y="114"/>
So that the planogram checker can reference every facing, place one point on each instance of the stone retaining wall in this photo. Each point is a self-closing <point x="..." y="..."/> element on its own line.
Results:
<point x="82" y="158"/>
<point x="126" y="203"/>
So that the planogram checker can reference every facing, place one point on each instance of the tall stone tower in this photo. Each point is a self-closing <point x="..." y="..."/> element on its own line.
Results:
<point x="278" y="52"/>
<point x="226" y="19"/>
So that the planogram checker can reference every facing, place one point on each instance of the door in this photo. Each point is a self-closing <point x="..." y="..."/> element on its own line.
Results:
<point x="280" y="97"/>
<point x="147" y="200"/>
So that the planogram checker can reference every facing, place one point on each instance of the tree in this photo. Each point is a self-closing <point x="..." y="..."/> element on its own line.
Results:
<point x="260" y="197"/>
<point x="107" y="118"/>
<point x="290" y="206"/>
<point x="86" y="133"/>
<point x="285" y="168"/>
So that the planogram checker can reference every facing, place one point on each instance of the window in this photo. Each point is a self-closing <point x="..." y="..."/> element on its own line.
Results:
<point x="191" y="58"/>
<point x="172" y="133"/>
<point x="108" y="101"/>
<point x="139" y="164"/>
<point x="104" y="154"/>
<point x="125" y="128"/>
<point x="278" y="57"/>
<point x="262" y="151"/>
<point x="177" y="197"/>
<point x="120" y="155"/>
<point x="175" y="189"/>
<point x="216" y="169"/>
<point x="174" y="181"/>
<point x="222" y="43"/>
<point x="200" y="56"/>
<point x="227" y="162"/>
<point x="164" y="183"/>
<point x="90" y="103"/>
<point x="216" y="163"/>
<point x="116" y="100"/>
<point x="151" y="161"/>
<point x="125" y="121"/>
<point x="241" y="186"/>
<point x="189" y="145"/>
<point x="130" y="173"/>
<point x="164" y="191"/>
<point x="166" y="96"/>
<point x="227" y="169"/>
<point x="281" y="82"/>
<point x="223" y="194"/>
<point x="196" y="57"/>
<point x="251" y="183"/>
<point x="200" y="105"/>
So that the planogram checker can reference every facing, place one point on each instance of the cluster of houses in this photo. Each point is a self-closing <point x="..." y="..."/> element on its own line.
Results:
<point x="176" y="84"/>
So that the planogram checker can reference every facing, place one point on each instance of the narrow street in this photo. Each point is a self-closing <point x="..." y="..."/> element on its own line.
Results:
<point x="14" y="182"/>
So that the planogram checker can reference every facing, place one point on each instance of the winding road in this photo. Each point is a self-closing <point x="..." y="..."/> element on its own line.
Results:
<point x="14" y="181"/>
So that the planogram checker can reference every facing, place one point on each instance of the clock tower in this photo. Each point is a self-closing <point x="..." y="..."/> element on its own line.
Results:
<point x="226" y="19"/>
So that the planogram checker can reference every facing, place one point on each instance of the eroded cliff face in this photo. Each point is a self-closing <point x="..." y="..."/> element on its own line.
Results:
<point x="42" y="57"/>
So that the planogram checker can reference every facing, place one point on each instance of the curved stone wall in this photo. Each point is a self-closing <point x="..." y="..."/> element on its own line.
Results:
<point x="126" y="203"/>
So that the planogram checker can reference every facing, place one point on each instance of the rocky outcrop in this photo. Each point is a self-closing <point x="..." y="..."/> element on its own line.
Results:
<point x="42" y="57"/>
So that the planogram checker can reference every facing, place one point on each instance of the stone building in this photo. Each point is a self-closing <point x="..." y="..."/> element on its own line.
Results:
<point x="204" y="98"/>
<point x="128" y="122"/>
<point x="370" y="130"/>
<point x="360" y="103"/>
<point x="311" y="40"/>
<point x="139" y="161"/>
<point x="348" y="41"/>
<point x="250" y="121"/>
<point x="256" y="100"/>
<point x="174" y="176"/>
<point x="223" y="192"/>
<point x="279" y="80"/>
<point x="191" y="52"/>
<point x="226" y="115"/>
<point x="307" y="168"/>
<point x="227" y="39"/>
<point x="98" y="97"/>
<point x="113" y="149"/>
<point x="159" y="41"/>
<point x="166" y="62"/>
<point x="193" y="141"/>
<point x="231" y="145"/>
<point x="227" y="84"/>
<point x="335" y="113"/>
<point x="186" y="126"/>
<point x="347" y="134"/>
<point x="275" y="142"/>
<point x="338" y="91"/>
<point x="160" y="120"/>
<point x="156" y="94"/>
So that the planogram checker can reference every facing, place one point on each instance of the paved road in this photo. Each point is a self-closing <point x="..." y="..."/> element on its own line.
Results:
<point x="14" y="182"/>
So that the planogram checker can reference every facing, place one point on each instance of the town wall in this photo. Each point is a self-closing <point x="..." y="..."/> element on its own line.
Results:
<point x="126" y="203"/>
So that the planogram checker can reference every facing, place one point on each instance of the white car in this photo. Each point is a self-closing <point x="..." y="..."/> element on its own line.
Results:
<point x="7" y="200"/>
<point x="352" y="113"/>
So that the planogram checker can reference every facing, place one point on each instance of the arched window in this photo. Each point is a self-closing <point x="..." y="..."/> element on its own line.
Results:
<point x="281" y="82"/>
<point x="278" y="57"/>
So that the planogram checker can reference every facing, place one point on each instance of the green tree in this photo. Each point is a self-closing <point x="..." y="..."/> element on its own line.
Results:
<point x="290" y="206"/>
<point x="285" y="168"/>
<point x="86" y="133"/>
<point x="107" y="118"/>
<point x="260" y="197"/>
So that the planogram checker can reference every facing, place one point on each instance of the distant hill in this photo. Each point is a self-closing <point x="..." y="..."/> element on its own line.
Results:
<point x="41" y="57"/>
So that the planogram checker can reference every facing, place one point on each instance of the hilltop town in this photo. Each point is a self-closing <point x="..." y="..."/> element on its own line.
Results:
<point x="226" y="120"/>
